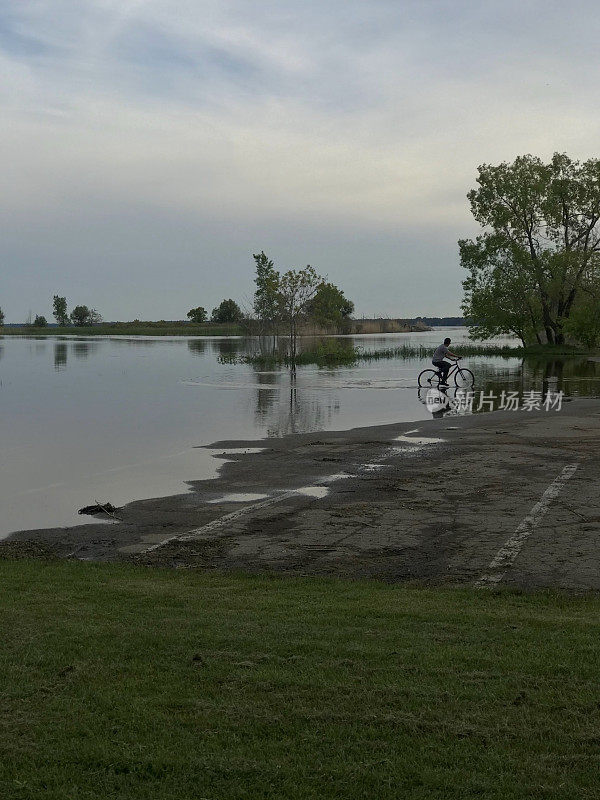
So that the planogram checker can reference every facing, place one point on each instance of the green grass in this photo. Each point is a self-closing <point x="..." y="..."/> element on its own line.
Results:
<point x="333" y="352"/>
<point x="328" y="352"/>
<point x="122" y="682"/>
<point x="131" y="329"/>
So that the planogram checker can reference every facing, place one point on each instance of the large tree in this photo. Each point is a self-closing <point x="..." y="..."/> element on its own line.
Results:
<point x="539" y="253"/>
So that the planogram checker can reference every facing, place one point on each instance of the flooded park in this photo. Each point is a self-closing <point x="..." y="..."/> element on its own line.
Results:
<point x="120" y="419"/>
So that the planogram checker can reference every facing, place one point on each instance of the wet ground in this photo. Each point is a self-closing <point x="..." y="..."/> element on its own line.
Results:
<point x="502" y="498"/>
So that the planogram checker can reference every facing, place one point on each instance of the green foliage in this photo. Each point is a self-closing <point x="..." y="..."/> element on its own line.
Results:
<point x="266" y="296"/>
<point x="329" y="305"/>
<point x="499" y="298"/>
<point x="94" y="317"/>
<point x="331" y="351"/>
<point x="59" y="304"/>
<point x="540" y="248"/>
<point x="227" y="311"/>
<point x="80" y="316"/>
<point x="297" y="289"/>
<point x="334" y="352"/>
<point x="1" y="318"/>
<point x="584" y="323"/>
<point x="197" y="315"/>
<point x="40" y="322"/>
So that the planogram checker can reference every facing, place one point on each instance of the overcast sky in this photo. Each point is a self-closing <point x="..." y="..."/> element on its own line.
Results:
<point x="150" y="147"/>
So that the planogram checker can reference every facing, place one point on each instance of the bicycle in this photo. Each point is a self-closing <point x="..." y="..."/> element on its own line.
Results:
<point x="463" y="377"/>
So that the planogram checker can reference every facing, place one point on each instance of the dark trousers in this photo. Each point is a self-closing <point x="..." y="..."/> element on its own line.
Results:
<point x="443" y="367"/>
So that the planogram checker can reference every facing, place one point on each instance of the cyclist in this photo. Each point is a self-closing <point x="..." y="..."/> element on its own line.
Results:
<point x="442" y="352"/>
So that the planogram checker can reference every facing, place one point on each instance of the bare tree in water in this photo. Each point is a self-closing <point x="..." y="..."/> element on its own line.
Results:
<point x="296" y="290"/>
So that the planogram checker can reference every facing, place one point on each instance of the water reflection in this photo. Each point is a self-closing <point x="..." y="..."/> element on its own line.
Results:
<point x="574" y="376"/>
<point x="197" y="347"/>
<point x="85" y="349"/>
<point x="282" y="406"/>
<point x="297" y="412"/>
<point x="60" y="356"/>
<point x="267" y="395"/>
<point x="130" y="427"/>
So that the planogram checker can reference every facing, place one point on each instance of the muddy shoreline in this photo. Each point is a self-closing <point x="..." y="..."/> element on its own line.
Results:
<point x="388" y="502"/>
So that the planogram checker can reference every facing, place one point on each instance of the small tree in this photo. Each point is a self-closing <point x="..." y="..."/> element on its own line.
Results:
<point x="297" y="289"/>
<point x="1" y="318"/>
<point x="266" y="296"/>
<point x="80" y="316"/>
<point x="197" y="315"/>
<point x="94" y="317"/>
<point x="227" y="311"/>
<point x="59" y="304"/>
<point x="40" y="322"/>
<point x="329" y="306"/>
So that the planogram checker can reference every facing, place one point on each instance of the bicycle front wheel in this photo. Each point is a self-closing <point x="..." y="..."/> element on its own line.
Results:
<point x="429" y="377"/>
<point x="464" y="378"/>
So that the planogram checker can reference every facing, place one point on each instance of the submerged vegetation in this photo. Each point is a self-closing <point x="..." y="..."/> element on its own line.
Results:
<point x="338" y="352"/>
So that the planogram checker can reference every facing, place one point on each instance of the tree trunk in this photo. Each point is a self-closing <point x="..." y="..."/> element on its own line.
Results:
<point x="293" y="345"/>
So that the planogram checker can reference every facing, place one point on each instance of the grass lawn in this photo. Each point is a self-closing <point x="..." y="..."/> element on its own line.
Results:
<point x="123" y="682"/>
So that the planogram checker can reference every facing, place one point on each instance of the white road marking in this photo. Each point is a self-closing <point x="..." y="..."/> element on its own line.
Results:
<point x="222" y="522"/>
<point x="505" y="557"/>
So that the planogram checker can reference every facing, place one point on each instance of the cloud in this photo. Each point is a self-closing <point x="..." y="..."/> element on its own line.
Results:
<point x="318" y="120"/>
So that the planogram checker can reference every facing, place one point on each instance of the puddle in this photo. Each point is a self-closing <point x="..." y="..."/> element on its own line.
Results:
<point x="313" y="491"/>
<point x="418" y="441"/>
<point x="339" y="476"/>
<point x="239" y="497"/>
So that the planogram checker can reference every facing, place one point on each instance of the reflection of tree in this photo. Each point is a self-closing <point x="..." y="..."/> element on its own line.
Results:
<point x="230" y="346"/>
<point x="267" y="397"/>
<point x="572" y="376"/>
<point x="197" y="347"/>
<point x="84" y="349"/>
<point x="283" y="407"/>
<point x="60" y="355"/>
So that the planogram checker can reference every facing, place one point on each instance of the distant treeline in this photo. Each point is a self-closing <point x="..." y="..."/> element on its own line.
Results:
<point x="454" y="321"/>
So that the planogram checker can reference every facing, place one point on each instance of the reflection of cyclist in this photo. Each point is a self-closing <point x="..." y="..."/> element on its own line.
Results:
<point x="439" y="355"/>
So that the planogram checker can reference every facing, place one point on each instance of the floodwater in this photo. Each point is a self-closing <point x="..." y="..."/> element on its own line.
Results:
<point x="116" y="419"/>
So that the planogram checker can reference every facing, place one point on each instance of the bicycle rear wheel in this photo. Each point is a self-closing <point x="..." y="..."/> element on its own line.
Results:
<point x="429" y="377"/>
<point x="464" y="378"/>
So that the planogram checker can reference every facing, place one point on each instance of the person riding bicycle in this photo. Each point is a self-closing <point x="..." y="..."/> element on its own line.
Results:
<point x="442" y="352"/>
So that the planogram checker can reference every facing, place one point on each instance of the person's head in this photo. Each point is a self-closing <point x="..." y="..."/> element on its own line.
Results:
<point x="447" y="341"/>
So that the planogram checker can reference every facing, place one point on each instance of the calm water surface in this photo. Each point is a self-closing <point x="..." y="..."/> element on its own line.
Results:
<point x="121" y="419"/>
